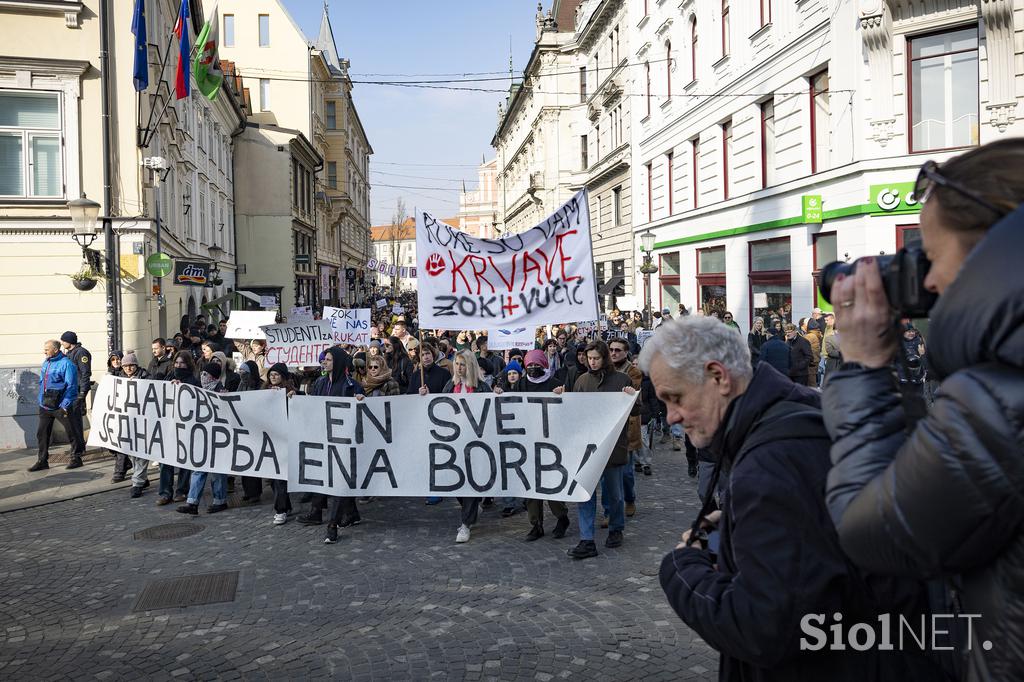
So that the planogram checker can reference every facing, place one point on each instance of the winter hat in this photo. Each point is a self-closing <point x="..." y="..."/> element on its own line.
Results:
<point x="537" y="357"/>
<point x="222" y="357"/>
<point x="69" y="337"/>
<point x="213" y="369"/>
<point x="130" y="359"/>
<point x="280" y="368"/>
<point x="254" y="369"/>
<point x="514" y="366"/>
<point x="244" y="368"/>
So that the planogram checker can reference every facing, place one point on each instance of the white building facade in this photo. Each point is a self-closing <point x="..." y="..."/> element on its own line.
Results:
<point x="768" y="143"/>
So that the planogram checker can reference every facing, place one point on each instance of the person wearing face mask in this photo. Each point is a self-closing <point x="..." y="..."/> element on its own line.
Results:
<point x="229" y="377"/>
<point x="209" y="379"/>
<point x="140" y="481"/>
<point x="338" y="383"/>
<point x="434" y="378"/>
<point x="184" y="372"/>
<point x="942" y="497"/>
<point x="540" y="379"/>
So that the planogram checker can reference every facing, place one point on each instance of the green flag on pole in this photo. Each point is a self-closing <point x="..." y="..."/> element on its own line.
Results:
<point x="206" y="65"/>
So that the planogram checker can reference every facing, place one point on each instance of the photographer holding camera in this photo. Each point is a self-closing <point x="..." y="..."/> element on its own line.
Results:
<point x="942" y="499"/>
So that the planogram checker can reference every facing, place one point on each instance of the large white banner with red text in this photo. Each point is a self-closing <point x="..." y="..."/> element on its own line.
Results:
<point x="544" y="275"/>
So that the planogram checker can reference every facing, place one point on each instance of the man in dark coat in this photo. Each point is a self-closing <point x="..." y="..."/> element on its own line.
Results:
<point x="435" y="377"/>
<point x="800" y="355"/>
<point x="775" y="352"/>
<point x="778" y="557"/>
<point x="162" y="363"/>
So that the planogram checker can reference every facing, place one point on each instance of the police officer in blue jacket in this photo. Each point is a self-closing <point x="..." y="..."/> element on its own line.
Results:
<point x="58" y="390"/>
<point x="83" y="363"/>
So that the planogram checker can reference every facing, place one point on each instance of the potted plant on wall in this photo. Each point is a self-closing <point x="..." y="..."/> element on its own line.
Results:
<point x="86" y="277"/>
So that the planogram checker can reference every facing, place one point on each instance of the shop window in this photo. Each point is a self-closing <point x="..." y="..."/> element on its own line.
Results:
<point x="668" y="281"/>
<point x="771" y="293"/>
<point x="908" y="236"/>
<point x="943" y="74"/>
<point x="711" y="279"/>
<point x="825" y="252"/>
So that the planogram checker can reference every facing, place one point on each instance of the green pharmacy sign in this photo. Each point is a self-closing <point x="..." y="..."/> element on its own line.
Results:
<point x="811" y="204"/>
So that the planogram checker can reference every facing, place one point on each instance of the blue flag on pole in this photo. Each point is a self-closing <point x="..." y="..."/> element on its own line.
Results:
<point x="140" y="75"/>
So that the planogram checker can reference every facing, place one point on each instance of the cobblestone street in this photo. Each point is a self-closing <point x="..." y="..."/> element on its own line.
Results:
<point x="395" y="599"/>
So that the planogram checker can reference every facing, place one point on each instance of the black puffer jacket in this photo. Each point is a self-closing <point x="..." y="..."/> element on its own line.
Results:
<point x="779" y="556"/>
<point x="946" y="500"/>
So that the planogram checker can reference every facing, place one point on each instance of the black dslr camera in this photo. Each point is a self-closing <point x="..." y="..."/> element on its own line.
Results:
<point x="902" y="276"/>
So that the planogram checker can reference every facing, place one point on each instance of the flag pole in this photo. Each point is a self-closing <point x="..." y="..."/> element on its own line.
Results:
<point x="160" y="79"/>
<point x="422" y="380"/>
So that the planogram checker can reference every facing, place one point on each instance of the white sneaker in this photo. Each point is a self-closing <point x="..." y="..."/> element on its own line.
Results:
<point x="463" y="535"/>
<point x="280" y="519"/>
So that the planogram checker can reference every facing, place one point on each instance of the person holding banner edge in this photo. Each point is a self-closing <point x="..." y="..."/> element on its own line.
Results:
<point x="602" y="377"/>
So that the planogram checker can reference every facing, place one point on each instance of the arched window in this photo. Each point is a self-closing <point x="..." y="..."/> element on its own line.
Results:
<point x="693" y="48"/>
<point x="668" y="68"/>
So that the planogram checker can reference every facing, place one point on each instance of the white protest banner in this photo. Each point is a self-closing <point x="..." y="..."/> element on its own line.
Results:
<point x="301" y="314"/>
<point x="642" y="335"/>
<point x="298" y="344"/>
<point x="627" y="303"/>
<point x="381" y="303"/>
<point x="542" y="446"/>
<point x="245" y="324"/>
<point x="268" y="302"/>
<point x="184" y="426"/>
<point x="541" y="276"/>
<point x="507" y="339"/>
<point x="397" y="309"/>
<point x="350" y="325"/>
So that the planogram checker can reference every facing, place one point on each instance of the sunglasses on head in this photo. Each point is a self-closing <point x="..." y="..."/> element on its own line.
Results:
<point x="929" y="177"/>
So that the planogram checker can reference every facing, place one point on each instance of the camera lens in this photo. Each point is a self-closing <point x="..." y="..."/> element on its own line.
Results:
<point x="829" y="274"/>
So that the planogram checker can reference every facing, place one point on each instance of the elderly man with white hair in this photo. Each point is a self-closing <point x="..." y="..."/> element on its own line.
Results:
<point x="778" y="556"/>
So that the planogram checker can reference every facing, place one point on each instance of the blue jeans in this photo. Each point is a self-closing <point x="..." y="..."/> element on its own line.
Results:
<point x="219" y="485"/>
<point x="628" y="493"/>
<point x="611" y="491"/>
<point x="167" y="487"/>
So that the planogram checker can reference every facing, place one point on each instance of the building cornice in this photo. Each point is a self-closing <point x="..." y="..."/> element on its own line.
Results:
<point x="72" y="11"/>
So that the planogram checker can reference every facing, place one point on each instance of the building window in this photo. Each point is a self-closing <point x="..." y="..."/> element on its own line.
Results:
<point x="584" y="161"/>
<point x="695" y="168"/>
<point x="650" y="192"/>
<point x="711" y="280"/>
<point x="943" y="88"/>
<point x="668" y="281"/>
<point x="616" y="206"/>
<point x="332" y="115"/>
<point x="766" y="12"/>
<point x="825" y="251"/>
<point x="229" y="30"/>
<point x="770" y="280"/>
<point x="693" y="48"/>
<point x="295" y="184"/>
<point x="669" y="171"/>
<point x="647" y="78"/>
<point x="583" y="84"/>
<point x="31" y="156"/>
<point x="646" y="10"/>
<point x="264" y="94"/>
<point x="668" y="69"/>
<point x="767" y="143"/>
<point x="264" y="30"/>
<point x="725" y="27"/>
<point x="332" y="174"/>
<point x="726" y="156"/>
<point x="820" y="122"/>
<point x="908" y="236"/>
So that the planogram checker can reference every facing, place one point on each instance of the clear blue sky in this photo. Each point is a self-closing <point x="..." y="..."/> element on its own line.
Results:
<point x="437" y="128"/>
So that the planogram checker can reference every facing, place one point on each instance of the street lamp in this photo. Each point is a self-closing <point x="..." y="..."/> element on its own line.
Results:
<point x="647" y="269"/>
<point x="84" y="213"/>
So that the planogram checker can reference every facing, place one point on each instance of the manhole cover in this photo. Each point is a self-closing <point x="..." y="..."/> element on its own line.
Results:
<point x="189" y="590"/>
<point x="169" y="531"/>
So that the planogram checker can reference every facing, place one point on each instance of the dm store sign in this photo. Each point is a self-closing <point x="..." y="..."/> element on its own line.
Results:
<point x="191" y="273"/>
